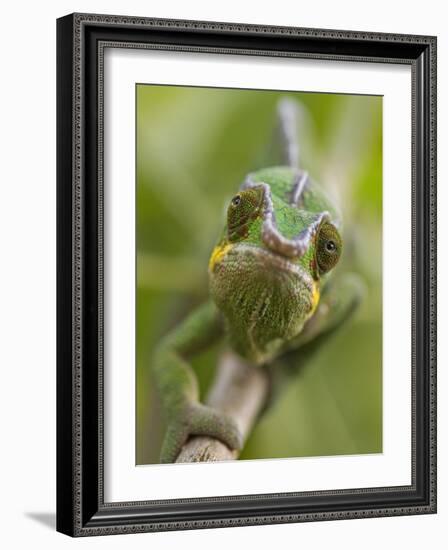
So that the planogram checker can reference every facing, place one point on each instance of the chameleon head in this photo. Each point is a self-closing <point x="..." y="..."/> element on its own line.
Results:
<point x="265" y="271"/>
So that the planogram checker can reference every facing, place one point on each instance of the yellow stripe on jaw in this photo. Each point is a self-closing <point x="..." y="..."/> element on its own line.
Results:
<point x="218" y="254"/>
<point x="315" y="296"/>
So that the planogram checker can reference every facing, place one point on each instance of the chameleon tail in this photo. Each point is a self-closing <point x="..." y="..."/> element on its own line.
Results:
<point x="288" y="113"/>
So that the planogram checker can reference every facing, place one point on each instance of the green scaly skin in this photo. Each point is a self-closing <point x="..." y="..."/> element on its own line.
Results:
<point x="271" y="293"/>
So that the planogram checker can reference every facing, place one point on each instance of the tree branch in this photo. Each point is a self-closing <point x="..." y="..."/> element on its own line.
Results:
<point x="240" y="390"/>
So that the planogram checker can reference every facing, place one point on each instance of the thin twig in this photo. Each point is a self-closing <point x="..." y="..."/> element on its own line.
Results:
<point x="240" y="390"/>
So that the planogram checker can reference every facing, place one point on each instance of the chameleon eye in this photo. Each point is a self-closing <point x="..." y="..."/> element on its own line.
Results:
<point x="329" y="248"/>
<point x="243" y="208"/>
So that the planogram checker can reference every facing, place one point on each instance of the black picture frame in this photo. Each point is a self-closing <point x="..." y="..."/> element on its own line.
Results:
<point x="81" y="510"/>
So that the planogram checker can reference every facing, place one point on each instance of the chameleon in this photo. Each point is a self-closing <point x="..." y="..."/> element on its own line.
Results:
<point x="272" y="290"/>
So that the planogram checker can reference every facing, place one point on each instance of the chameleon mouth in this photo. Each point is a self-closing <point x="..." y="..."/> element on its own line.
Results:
<point x="271" y="262"/>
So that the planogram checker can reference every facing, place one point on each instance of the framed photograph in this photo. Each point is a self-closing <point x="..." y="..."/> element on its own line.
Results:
<point x="246" y="274"/>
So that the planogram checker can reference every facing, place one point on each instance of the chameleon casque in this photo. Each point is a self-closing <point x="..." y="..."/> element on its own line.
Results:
<point x="272" y="290"/>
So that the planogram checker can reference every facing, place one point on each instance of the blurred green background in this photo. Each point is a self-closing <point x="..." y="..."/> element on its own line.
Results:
<point x="194" y="148"/>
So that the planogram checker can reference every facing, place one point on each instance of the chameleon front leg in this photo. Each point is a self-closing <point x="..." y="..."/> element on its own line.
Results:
<point x="178" y="386"/>
<point x="339" y="300"/>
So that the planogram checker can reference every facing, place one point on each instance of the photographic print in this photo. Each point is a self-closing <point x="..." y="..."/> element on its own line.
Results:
<point x="259" y="274"/>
